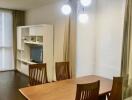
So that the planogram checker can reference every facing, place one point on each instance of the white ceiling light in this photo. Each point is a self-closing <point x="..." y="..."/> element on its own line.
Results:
<point x="66" y="9"/>
<point x="85" y="2"/>
<point x="83" y="18"/>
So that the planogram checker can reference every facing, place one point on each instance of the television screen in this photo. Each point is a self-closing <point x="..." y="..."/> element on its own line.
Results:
<point x="36" y="54"/>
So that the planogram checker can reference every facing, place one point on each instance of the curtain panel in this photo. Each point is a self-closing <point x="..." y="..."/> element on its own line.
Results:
<point x="66" y="39"/>
<point x="126" y="65"/>
<point x="126" y="39"/>
<point x="18" y="20"/>
<point x="6" y="41"/>
<point x="66" y="45"/>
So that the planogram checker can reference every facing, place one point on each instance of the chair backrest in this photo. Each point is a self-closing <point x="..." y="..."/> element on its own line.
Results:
<point x="37" y="74"/>
<point x="62" y="71"/>
<point x="88" y="91"/>
<point x="116" y="92"/>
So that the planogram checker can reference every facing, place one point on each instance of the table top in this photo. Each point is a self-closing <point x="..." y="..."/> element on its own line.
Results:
<point x="64" y="90"/>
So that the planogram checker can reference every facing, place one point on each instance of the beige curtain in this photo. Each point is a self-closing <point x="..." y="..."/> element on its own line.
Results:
<point x="127" y="48"/>
<point x="66" y="44"/>
<point x="18" y="20"/>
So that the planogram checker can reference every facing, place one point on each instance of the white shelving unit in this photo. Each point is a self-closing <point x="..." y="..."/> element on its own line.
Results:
<point x="34" y="35"/>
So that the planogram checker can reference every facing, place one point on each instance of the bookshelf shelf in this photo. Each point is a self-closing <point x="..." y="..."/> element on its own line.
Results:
<point x="35" y="43"/>
<point x="26" y="61"/>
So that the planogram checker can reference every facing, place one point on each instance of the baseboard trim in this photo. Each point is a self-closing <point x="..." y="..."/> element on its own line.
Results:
<point x="21" y="73"/>
<point x="7" y="70"/>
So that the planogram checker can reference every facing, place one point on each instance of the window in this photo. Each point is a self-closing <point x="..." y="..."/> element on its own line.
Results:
<point x="6" y="41"/>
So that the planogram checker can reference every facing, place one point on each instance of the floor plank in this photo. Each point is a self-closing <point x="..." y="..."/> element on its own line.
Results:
<point x="10" y="82"/>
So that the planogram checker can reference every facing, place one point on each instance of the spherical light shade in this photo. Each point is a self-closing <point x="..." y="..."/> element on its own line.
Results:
<point x="83" y="18"/>
<point x="66" y="9"/>
<point x="86" y="2"/>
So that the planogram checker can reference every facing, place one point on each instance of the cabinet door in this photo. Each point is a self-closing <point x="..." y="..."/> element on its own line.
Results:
<point x="24" y="69"/>
<point x="36" y="31"/>
<point x="19" y="39"/>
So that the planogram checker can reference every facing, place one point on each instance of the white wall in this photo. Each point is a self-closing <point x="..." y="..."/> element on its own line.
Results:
<point x="85" y="54"/>
<point x="99" y="42"/>
<point x="109" y="35"/>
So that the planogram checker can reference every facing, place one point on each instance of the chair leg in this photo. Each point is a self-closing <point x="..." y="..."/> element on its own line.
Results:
<point x="108" y="96"/>
<point x="102" y="97"/>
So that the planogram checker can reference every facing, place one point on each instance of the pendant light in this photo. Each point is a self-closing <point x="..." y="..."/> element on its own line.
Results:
<point x="66" y="9"/>
<point x="83" y="17"/>
<point x="85" y="3"/>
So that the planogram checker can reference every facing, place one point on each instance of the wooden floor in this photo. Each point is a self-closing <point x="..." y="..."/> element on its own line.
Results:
<point x="10" y="82"/>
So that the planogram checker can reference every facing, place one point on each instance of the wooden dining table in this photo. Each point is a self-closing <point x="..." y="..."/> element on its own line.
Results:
<point x="64" y="90"/>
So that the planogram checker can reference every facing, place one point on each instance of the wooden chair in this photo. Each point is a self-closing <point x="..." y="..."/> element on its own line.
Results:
<point x="37" y="74"/>
<point x="88" y="91"/>
<point x="116" y="92"/>
<point x="62" y="71"/>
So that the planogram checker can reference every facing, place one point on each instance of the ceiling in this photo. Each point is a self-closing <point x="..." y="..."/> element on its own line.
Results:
<point x="24" y="4"/>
